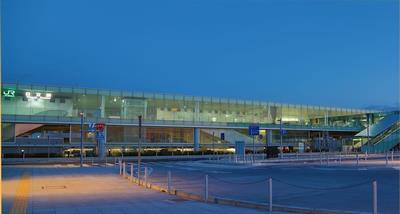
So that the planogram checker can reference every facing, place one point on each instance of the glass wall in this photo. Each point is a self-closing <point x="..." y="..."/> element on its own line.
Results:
<point x="130" y="134"/>
<point x="87" y="136"/>
<point x="7" y="132"/>
<point x="68" y="102"/>
<point x="37" y="133"/>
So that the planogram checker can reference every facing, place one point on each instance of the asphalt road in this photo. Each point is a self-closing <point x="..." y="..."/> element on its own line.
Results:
<point x="344" y="187"/>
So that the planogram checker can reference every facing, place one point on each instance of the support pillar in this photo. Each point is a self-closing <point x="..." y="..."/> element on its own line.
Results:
<point x="269" y="137"/>
<point x="196" y="139"/>
<point x="102" y="107"/>
<point x="102" y="145"/>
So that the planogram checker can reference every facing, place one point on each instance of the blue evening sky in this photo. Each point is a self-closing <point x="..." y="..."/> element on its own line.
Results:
<point x="340" y="53"/>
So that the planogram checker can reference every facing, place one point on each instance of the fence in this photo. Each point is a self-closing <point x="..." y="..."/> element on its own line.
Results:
<point x="271" y="193"/>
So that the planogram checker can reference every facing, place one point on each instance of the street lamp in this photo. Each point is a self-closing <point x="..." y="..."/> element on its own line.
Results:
<point x="139" y="147"/>
<point x="213" y="146"/>
<point x="281" y="136"/>
<point x="368" y="137"/>
<point x="81" y="156"/>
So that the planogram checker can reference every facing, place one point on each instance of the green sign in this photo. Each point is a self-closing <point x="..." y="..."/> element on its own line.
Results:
<point x="8" y="93"/>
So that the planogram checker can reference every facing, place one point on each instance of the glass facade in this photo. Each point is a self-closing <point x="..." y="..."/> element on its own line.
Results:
<point x="123" y="134"/>
<point x="62" y="102"/>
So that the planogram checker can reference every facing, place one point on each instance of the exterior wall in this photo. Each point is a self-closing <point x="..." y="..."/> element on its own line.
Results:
<point x="104" y="104"/>
<point x="59" y="137"/>
<point x="169" y="120"/>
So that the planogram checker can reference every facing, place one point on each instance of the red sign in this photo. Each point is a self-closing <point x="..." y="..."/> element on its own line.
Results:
<point x="100" y="127"/>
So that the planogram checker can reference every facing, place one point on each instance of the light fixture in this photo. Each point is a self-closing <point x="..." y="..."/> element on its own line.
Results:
<point x="290" y="119"/>
<point x="38" y="95"/>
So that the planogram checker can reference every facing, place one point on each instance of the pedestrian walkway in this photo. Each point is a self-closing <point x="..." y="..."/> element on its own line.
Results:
<point x="66" y="189"/>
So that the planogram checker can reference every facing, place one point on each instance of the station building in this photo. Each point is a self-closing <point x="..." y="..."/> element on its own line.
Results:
<point x="47" y="119"/>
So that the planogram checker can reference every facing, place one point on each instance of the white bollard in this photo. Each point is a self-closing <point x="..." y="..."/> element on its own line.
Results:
<point x="120" y="167"/>
<point x="357" y="158"/>
<point x="206" y="189"/>
<point x="320" y="158"/>
<point x="270" y="193"/>
<point x="145" y="176"/>
<point x="138" y="175"/>
<point x="392" y="155"/>
<point x="124" y="169"/>
<point x="340" y="157"/>
<point x="169" y="182"/>
<point x="365" y="156"/>
<point x="131" y="171"/>
<point x="327" y="158"/>
<point x="374" y="198"/>
<point x="386" y="158"/>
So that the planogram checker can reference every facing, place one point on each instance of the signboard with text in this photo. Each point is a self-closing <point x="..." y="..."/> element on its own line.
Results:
<point x="254" y="130"/>
<point x="8" y="92"/>
<point x="92" y="127"/>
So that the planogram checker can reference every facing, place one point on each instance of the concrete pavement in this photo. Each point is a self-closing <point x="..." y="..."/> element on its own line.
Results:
<point x="333" y="186"/>
<point x="70" y="189"/>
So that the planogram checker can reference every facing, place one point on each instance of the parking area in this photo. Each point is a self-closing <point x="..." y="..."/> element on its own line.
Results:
<point x="344" y="187"/>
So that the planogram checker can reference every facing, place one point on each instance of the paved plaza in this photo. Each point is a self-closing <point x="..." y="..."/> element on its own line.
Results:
<point x="70" y="189"/>
<point x="66" y="188"/>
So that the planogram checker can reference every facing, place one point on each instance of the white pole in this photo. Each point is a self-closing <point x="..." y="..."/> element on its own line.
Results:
<point x="124" y="169"/>
<point x="206" y="189"/>
<point x="131" y="171"/>
<point x="392" y="155"/>
<point x="374" y="198"/>
<point x="386" y="158"/>
<point x="365" y="156"/>
<point x="327" y="158"/>
<point x="169" y="182"/>
<point x="357" y="158"/>
<point x="340" y="157"/>
<point x="145" y="176"/>
<point x="120" y="167"/>
<point x="320" y="158"/>
<point x="270" y="194"/>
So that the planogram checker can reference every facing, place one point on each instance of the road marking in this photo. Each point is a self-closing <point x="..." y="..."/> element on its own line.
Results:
<point x="20" y="203"/>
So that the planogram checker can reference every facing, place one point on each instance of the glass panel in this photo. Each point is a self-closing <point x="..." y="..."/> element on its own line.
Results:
<point x="76" y="134"/>
<point x="42" y="133"/>
<point x="7" y="132"/>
